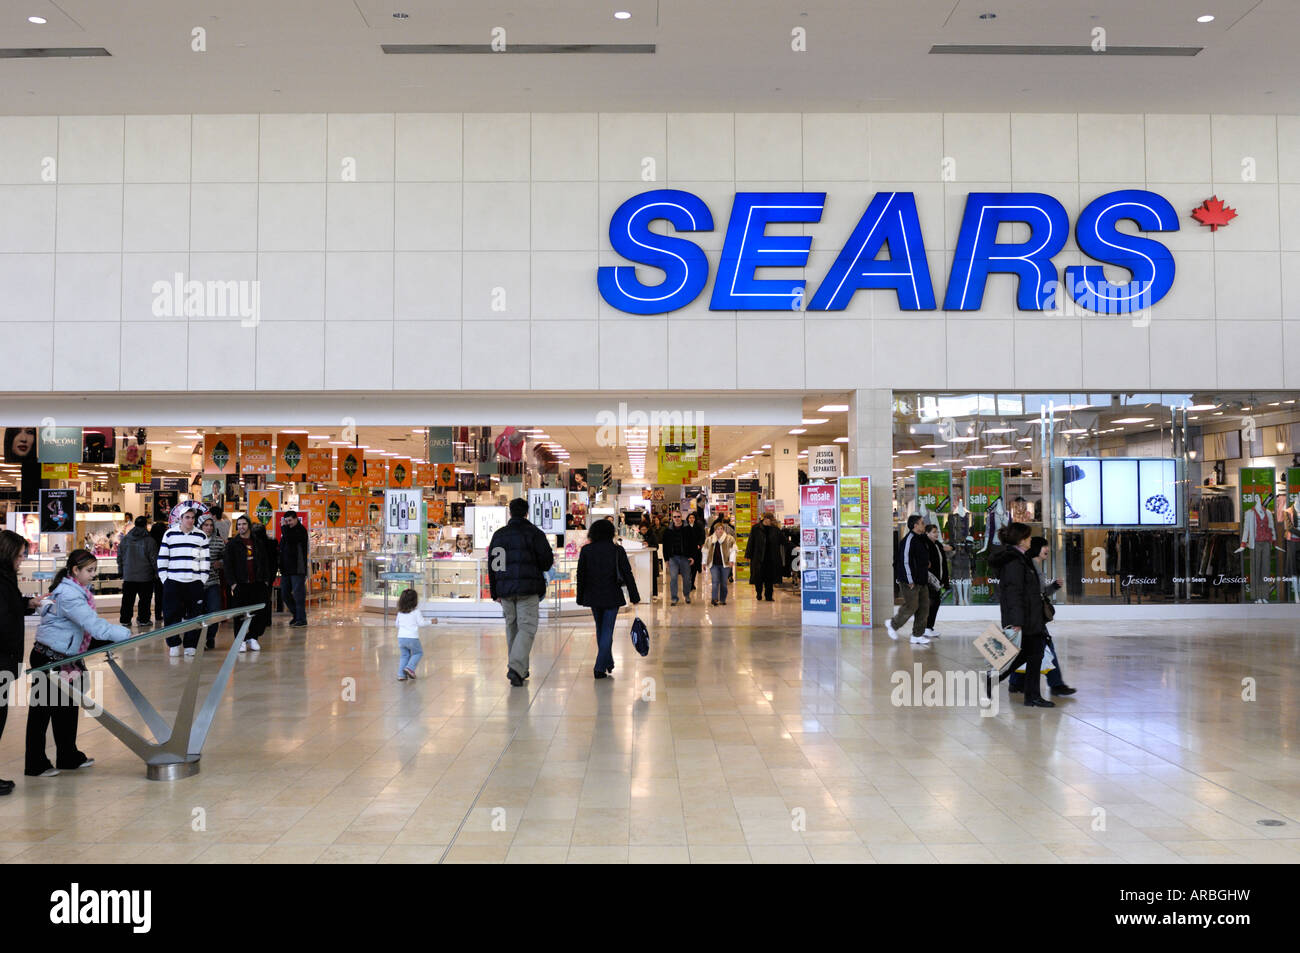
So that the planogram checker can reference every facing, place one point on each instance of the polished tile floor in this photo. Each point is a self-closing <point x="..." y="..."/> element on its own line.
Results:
<point x="737" y="740"/>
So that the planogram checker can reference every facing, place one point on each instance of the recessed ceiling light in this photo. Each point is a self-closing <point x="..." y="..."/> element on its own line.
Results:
<point x="1132" y="420"/>
<point x="832" y="409"/>
<point x="1205" y="18"/>
<point x="40" y="20"/>
<point x="624" y="15"/>
<point x="814" y="420"/>
<point x="767" y="446"/>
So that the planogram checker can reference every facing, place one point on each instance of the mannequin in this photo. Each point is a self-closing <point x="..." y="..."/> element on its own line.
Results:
<point x="994" y="519"/>
<point x="959" y="566"/>
<point x="1257" y="536"/>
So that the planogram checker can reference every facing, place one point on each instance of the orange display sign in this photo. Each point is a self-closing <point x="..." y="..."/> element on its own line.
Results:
<point x="263" y="505"/>
<point x="437" y="511"/>
<point x="58" y="471"/>
<point x="315" y="506"/>
<point x="400" y="473"/>
<point x="426" y="474"/>
<point x="290" y="454"/>
<point x="355" y="516"/>
<point x="349" y="466"/>
<point x="256" y="454"/>
<point x="446" y="474"/>
<point x="220" y="452"/>
<point x="376" y="475"/>
<point x="336" y="510"/>
<point x="320" y="465"/>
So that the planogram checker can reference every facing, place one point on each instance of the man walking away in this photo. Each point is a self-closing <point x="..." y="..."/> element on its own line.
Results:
<point x="912" y="572"/>
<point x="679" y="543"/>
<point x="137" y="560"/>
<point x="183" y="569"/>
<point x="293" y="566"/>
<point x="518" y="557"/>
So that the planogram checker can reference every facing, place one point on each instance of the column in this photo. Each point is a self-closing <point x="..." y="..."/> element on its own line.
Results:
<point x="785" y="473"/>
<point x="870" y="454"/>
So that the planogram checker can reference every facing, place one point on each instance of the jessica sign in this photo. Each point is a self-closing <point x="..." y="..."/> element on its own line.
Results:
<point x="890" y="227"/>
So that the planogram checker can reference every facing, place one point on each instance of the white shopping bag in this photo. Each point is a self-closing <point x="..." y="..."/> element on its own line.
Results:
<point x="998" y="646"/>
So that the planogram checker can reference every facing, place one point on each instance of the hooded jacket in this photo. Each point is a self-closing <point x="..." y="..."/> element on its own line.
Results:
<point x="1020" y="591"/>
<point x="67" y="616"/>
<point x="912" y="560"/>
<point x="137" y="556"/>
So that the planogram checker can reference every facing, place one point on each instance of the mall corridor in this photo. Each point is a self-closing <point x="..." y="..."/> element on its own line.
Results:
<point x="738" y="739"/>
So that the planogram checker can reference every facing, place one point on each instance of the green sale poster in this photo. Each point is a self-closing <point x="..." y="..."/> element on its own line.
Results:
<point x="934" y="490"/>
<point x="983" y="489"/>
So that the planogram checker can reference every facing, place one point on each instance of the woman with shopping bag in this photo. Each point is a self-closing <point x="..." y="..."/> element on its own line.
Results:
<point x="1020" y="596"/>
<point x="603" y="571"/>
<point x="1051" y="661"/>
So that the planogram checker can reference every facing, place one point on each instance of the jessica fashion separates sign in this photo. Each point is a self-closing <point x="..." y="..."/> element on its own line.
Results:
<point x="824" y="462"/>
<point x="890" y="224"/>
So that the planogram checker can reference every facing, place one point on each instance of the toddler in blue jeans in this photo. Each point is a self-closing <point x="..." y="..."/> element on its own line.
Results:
<point x="408" y="634"/>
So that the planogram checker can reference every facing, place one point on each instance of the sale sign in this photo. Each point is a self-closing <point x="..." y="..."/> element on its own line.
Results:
<point x="983" y="489"/>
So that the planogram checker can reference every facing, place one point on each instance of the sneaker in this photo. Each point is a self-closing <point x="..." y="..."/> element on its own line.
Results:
<point x="931" y="634"/>
<point x="298" y="625"/>
<point x="409" y="673"/>
<point x="674" y="602"/>
<point x="189" y="653"/>
<point x="713" y="602"/>
<point x="253" y="644"/>
<point x="88" y="763"/>
<point x="401" y="678"/>
<point x="688" y="600"/>
<point x="243" y="646"/>
<point x="889" y="627"/>
<point x="920" y="640"/>
<point x="49" y="773"/>
<point x="515" y="680"/>
<point x="174" y="650"/>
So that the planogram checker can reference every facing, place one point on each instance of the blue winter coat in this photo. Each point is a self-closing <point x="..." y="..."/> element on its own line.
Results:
<point x="68" y="616"/>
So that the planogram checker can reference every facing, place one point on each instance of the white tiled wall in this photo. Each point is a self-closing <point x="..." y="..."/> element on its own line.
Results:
<point x="447" y="252"/>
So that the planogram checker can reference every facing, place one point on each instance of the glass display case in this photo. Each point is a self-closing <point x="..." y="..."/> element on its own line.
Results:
<point x="455" y="586"/>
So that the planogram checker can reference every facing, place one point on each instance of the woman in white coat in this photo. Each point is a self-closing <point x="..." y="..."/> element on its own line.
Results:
<point x="717" y="555"/>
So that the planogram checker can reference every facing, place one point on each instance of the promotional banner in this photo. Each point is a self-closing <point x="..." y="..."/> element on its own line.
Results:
<point x="983" y="489"/>
<point x="139" y="472"/>
<point x="446" y="475"/>
<point x="426" y="474"/>
<point x="546" y="508"/>
<point x="290" y="454"/>
<point x="350" y="464"/>
<point x="263" y="505"/>
<point x="1293" y="485"/>
<point x="58" y="471"/>
<point x="59" y="445"/>
<point x="256" y="454"/>
<point x="58" y="510"/>
<point x="400" y="473"/>
<point x="819" y="548"/>
<point x="99" y="445"/>
<point x="439" y="445"/>
<point x="1257" y="483"/>
<point x="316" y="505"/>
<point x="678" y="455"/>
<point x="220" y="452"/>
<point x="706" y="454"/>
<point x="437" y="511"/>
<point x="578" y="480"/>
<point x="824" y="462"/>
<point x="376" y="473"/>
<point x="934" y="490"/>
<point x="163" y="501"/>
<point x="746" y="512"/>
<point x="596" y="475"/>
<point x="402" y="511"/>
<point x="320" y="465"/>
<point x="356" y="512"/>
<point x="213" y="488"/>
<point x="465" y="482"/>
<point x="336" y="505"/>
<point x="855" y="551"/>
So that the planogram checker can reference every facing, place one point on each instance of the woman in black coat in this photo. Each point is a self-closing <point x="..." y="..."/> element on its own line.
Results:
<point x="250" y="588"/>
<point x="13" y="606"/>
<point x="1020" y="596"/>
<point x="765" y="552"/>
<point x="603" y="570"/>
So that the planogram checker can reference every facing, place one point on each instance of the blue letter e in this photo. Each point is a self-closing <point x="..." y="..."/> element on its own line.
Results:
<point x="685" y="268"/>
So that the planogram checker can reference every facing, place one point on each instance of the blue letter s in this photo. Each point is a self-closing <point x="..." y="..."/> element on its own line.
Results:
<point x="685" y="267"/>
<point x="1149" y="261"/>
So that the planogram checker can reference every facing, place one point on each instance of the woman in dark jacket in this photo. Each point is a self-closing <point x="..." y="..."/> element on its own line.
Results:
<point x="650" y="538"/>
<point x="603" y="570"/>
<point x="696" y="525"/>
<point x="250" y="568"/>
<point x="765" y="554"/>
<point x="13" y="606"/>
<point x="157" y="531"/>
<point x="1020" y="595"/>
<point x="1055" y="678"/>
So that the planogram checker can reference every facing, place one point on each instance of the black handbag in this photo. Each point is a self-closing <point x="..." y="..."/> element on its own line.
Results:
<point x="1049" y="608"/>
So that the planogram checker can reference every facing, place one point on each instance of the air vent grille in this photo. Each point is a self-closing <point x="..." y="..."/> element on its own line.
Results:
<point x="445" y="49"/>
<point x="46" y="52"/>
<point x="1024" y="50"/>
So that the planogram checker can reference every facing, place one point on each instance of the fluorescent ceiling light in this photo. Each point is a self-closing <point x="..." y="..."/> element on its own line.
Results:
<point x="798" y="430"/>
<point x="1205" y="18"/>
<point x="999" y="429"/>
<point x="996" y="446"/>
<point x="961" y="439"/>
<point x="1076" y="430"/>
<point x="1025" y="440"/>
<point x="840" y="440"/>
<point x="767" y="446"/>
<point x="1202" y="406"/>
<point x="39" y="20"/>
<point x="815" y="420"/>
<point x="933" y="446"/>
<point x="909" y="451"/>
<point x="624" y="15"/>
<point x="1132" y="420"/>
<point x="832" y="408"/>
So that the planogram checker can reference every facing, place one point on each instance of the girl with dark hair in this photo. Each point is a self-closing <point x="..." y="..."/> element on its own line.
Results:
<point x="603" y="571"/>
<point x="408" y="634"/>
<point x="69" y="624"/>
<point x="1020" y="596"/>
<point x="13" y="606"/>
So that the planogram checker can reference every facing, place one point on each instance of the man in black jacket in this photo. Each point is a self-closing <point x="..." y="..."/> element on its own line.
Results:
<point x="293" y="567"/>
<point x="518" y="557"/>
<point x="939" y="571"/>
<point x="679" y="543"/>
<point x="912" y="572"/>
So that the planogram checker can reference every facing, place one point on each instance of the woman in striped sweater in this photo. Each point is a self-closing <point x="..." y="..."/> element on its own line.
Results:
<point x="213" y="588"/>
<point x="183" y="569"/>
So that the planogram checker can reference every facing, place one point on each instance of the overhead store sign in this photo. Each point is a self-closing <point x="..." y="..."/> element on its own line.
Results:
<point x="886" y="251"/>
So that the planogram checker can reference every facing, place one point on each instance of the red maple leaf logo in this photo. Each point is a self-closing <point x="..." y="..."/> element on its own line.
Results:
<point x="1213" y="212"/>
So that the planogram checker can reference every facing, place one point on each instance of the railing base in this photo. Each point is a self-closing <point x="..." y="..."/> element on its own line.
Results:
<point x="173" y="770"/>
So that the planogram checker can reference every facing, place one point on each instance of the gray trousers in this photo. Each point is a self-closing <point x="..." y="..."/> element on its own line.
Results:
<point x="916" y="605"/>
<point x="521" y="628"/>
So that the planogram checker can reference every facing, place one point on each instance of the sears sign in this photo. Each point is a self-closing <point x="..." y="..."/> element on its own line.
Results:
<point x="886" y="251"/>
